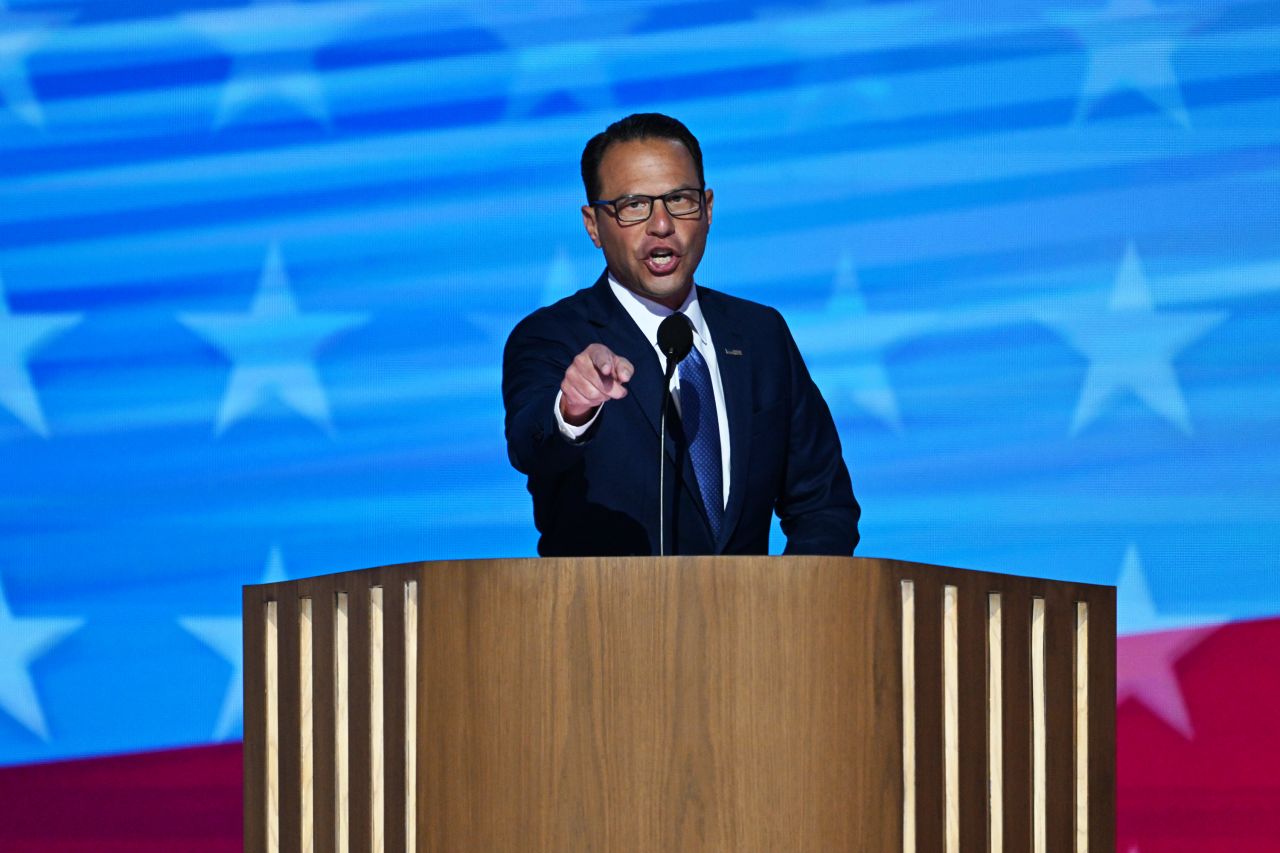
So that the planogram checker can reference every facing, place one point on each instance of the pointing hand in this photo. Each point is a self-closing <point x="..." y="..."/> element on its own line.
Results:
<point x="594" y="376"/>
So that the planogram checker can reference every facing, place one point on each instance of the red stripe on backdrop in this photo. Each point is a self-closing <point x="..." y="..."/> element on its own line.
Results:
<point x="1203" y="777"/>
<point x="184" y="800"/>
<point x="1198" y="762"/>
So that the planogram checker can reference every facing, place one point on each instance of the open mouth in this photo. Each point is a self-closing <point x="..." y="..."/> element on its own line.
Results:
<point x="662" y="261"/>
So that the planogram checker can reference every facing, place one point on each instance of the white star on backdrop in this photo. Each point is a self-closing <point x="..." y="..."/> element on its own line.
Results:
<point x="550" y="58"/>
<point x="1130" y="347"/>
<point x="1146" y="664"/>
<point x="1135" y="608"/>
<point x="224" y="634"/>
<point x="807" y="39"/>
<point x="561" y="280"/>
<point x="20" y="36"/>
<point x="577" y="69"/>
<point x="272" y="44"/>
<point x="1146" y="671"/>
<point x="20" y="335"/>
<point x="844" y="344"/>
<point x="22" y="640"/>
<point x="272" y="347"/>
<point x="1131" y="45"/>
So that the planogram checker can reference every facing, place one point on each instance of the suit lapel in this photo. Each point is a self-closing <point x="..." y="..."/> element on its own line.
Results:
<point x="733" y="354"/>
<point x="620" y="333"/>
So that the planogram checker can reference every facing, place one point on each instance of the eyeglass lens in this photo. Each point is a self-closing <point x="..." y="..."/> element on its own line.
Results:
<point x="637" y="208"/>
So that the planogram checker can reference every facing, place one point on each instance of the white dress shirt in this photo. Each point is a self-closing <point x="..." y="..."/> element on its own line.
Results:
<point x="648" y="315"/>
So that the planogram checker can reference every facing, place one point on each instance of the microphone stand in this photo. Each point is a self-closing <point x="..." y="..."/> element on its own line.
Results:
<point x="672" y="364"/>
<point x="675" y="339"/>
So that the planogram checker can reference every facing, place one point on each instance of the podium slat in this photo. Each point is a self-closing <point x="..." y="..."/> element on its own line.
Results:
<point x="929" y="704"/>
<point x="1102" y="719"/>
<point x="360" y="723"/>
<point x="1016" y="606"/>
<point x="1060" y="616"/>
<point x="289" y="725"/>
<point x="323" y="605"/>
<point x="255" y="719"/>
<point x="973" y="716"/>
<point x="393" y="726"/>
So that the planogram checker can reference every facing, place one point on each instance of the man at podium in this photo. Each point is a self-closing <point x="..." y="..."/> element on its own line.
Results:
<point x="585" y="385"/>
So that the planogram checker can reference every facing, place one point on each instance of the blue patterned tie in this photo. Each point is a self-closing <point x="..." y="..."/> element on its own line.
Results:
<point x="702" y="434"/>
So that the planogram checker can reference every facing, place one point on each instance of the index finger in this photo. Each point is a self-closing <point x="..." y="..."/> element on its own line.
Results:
<point x="603" y="359"/>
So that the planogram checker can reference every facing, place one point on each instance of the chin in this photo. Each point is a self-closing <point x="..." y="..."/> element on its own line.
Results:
<point x="664" y="290"/>
<point x="665" y="283"/>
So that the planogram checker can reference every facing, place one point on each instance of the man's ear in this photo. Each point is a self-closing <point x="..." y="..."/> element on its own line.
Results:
<point x="710" y="198"/>
<point x="589" y="222"/>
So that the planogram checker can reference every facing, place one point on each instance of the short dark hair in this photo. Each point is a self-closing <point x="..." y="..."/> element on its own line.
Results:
<point x="633" y="128"/>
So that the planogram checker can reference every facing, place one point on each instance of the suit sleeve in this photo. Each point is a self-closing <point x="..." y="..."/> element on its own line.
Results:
<point x="533" y="364"/>
<point x="816" y="508"/>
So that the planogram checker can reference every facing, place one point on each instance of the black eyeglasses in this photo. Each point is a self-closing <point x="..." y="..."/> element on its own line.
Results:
<point x="682" y="203"/>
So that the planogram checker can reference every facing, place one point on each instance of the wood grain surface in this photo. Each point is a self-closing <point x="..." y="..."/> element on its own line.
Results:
<point x="653" y="705"/>
<point x="682" y="704"/>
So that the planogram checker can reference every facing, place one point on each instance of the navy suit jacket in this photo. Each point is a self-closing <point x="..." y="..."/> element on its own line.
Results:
<point x="599" y="496"/>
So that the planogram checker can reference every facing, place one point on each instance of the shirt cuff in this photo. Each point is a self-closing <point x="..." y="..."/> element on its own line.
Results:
<point x="568" y="430"/>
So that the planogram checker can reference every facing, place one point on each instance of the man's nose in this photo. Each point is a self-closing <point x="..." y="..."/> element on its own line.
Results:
<point x="660" y="222"/>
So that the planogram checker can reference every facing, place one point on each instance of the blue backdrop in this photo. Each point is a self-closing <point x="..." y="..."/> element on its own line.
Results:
<point x="258" y="261"/>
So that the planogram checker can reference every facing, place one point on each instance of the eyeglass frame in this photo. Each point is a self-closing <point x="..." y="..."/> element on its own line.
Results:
<point x="702" y="204"/>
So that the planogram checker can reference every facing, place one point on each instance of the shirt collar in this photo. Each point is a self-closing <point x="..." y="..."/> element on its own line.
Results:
<point x="648" y="314"/>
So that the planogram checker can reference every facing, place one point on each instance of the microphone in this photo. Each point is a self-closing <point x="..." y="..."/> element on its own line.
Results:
<point x="675" y="339"/>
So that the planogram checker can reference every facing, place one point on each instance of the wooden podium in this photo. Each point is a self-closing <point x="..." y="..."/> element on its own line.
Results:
<point x="679" y="704"/>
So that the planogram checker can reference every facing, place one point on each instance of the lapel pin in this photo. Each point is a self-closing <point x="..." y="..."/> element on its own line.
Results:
<point x="728" y="351"/>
